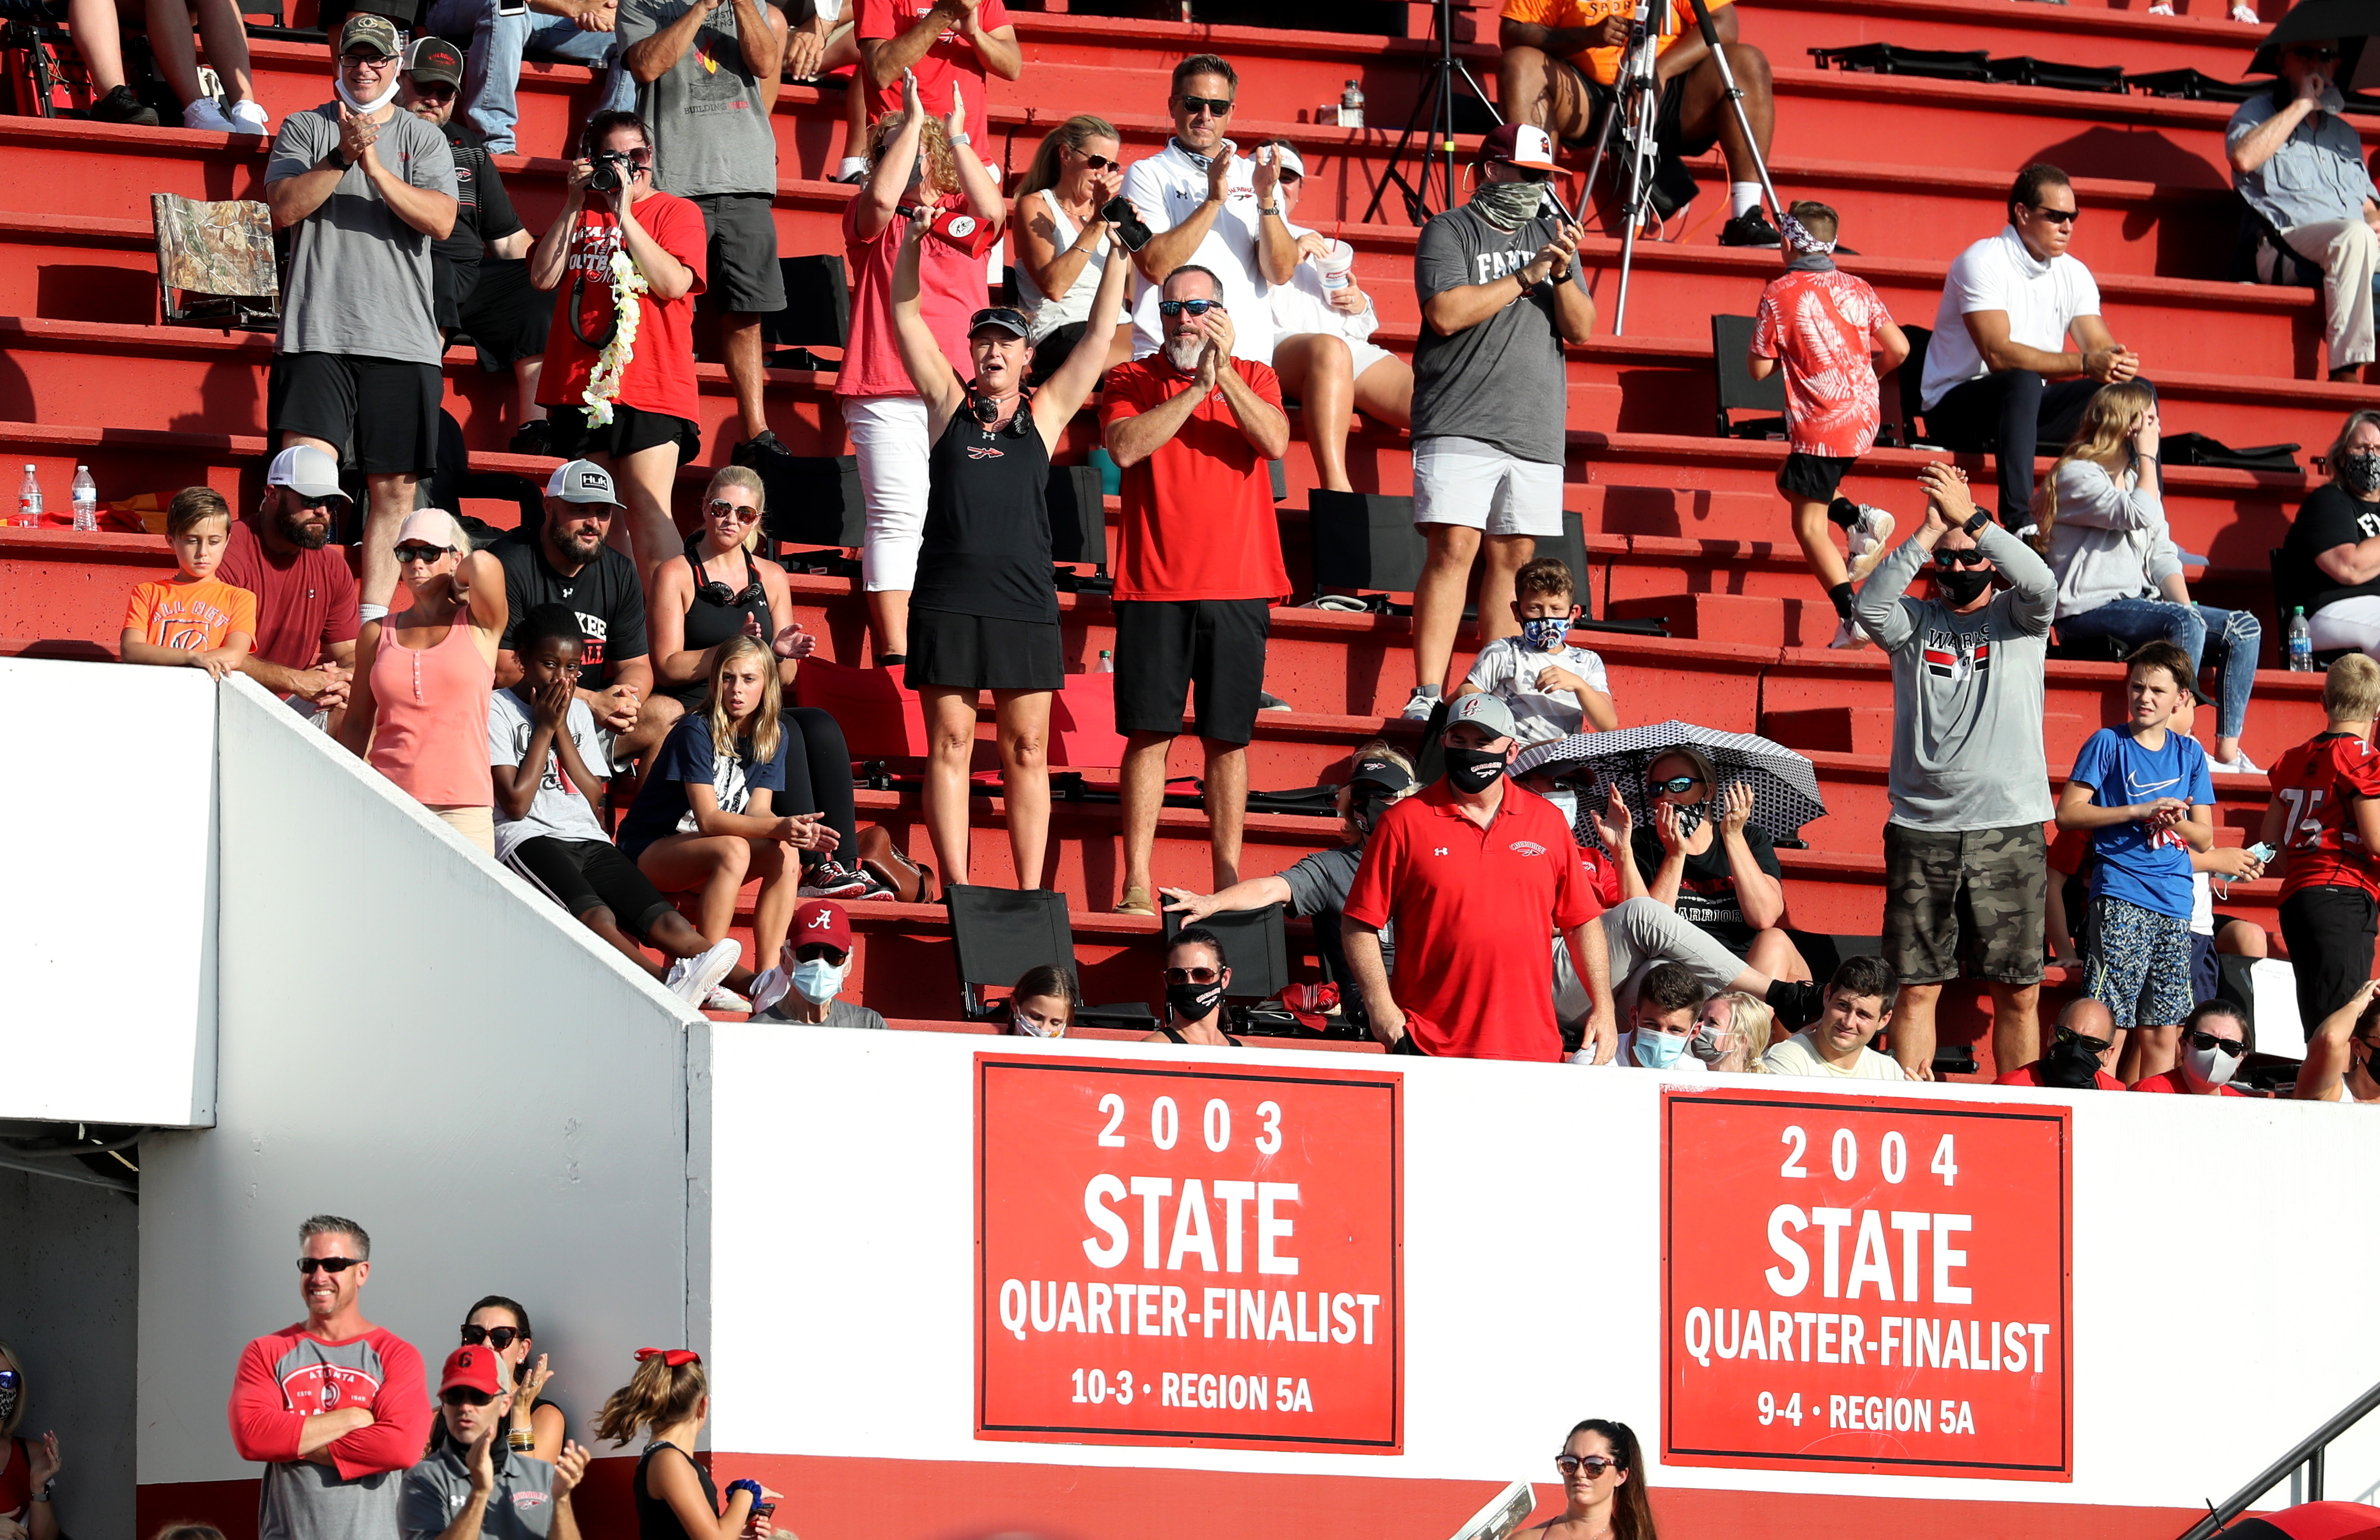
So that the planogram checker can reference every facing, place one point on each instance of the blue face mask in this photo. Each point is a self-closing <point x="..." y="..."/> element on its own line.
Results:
<point x="819" y="980"/>
<point x="1547" y="634"/>
<point x="1659" y="1051"/>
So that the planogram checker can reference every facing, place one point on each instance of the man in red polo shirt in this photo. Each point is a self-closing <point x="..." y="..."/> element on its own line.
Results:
<point x="2086" y="1030"/>
<point x="1192" y="427"/>
<point x="1478" y="873"/>
<point x="2213" y="1043"/>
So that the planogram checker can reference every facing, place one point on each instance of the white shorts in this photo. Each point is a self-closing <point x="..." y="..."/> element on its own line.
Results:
<point x="1363" y="356"/>
<point x="1465" y="481"/>
<point x="888" y="433"/>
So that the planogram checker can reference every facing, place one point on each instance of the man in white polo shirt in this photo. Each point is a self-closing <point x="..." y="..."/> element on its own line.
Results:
<point x="1209" y="206"/>
<point x="2019" y="347"/>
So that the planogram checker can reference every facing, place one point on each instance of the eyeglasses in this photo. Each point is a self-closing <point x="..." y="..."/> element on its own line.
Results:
<point x="463" y="1395"/>
<point x="422" y="553"/>
<point x="2097" y="1045"/>
<point x="1221" y="106"/>
<point x="379" y="64"/>
<point x="2231" y="1047"/>
<point x="1593" y="1464"/>
<point x="497" y="1336"/>
<point x="2055" y="217"/>
<point x="1676" y="784"/>
<point x="1971" y="557"/>
<point x="1169" y="308"/>
<point x="1097" y="163"/>
<point x="742" y="512"/>
<point x="2325" y="53"/>
<point x="1194" y="975"/>
<point x="331" y="1265"/>
<point x="440" y="91"/>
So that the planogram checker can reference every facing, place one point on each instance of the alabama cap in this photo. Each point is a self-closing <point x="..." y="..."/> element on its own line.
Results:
<point x="1483" y="710"/>
<point x="822" y="923"/>
<point x="307" y="471"/>
<point x="1522" y="144"/>
<point x="473" y="1367"/>
<point x="582" y="482"/>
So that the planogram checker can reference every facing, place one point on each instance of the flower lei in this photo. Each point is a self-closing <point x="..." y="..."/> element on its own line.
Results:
<point x="604" y="385"/>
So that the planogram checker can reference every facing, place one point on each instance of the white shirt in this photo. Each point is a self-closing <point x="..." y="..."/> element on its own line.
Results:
<point x="1048" y="313"/>
<point x="1507" y="667"/>
<point x="1167" y="189"/>
<point x="1303" y="305"/>
<point x="1796" y="1055"/>
<point x="2041" y="298"/>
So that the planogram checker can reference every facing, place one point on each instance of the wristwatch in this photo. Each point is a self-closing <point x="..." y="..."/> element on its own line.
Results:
<point x="1975" y="526"/>
<point x="962" y="137"/>
<point x="47" y="1488"/>
<point x="1269" y="209"/>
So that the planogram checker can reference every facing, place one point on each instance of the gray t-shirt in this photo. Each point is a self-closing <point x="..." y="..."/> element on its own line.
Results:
<point x="839" y="1012"/>
<point x="519" y="1507"/>
<point x="557" y="810"/>
<point x="709" y="113"/>
<point x="1318" y="886"/>
<point x="360" y="277"/>
<point x="1501" y="381"/>
<point x="1967" y="691"/>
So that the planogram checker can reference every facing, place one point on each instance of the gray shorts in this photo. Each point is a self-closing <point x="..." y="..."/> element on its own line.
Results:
<point x="744" y="277"/>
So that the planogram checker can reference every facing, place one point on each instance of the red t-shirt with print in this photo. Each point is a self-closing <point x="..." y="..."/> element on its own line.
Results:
<point x="2317" y="783"/>
<point x="1824" y="325"/>
<point x="660" y="376"/>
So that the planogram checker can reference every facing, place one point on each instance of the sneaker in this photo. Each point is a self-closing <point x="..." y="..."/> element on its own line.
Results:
<point x="2246" y="14"/>
<point x="207" y="115"/>
<point x="756" y="453"/>
<point x="693" y="978"/>
<point x="250" y="118"/>
<point x="1268" y="701"/>
<point x="1848" y="634"/>
<point x="2240" y="765"/>
<point x="1749" y="228"/>
<point x="833" y="879"/>
<point x="2160" y="9"/>
<point x="1135" y="901"/>
<point x="1419" y="707"/>
<point x="722" y="998"/>
<point x="852" y="171"/>
<point x="879" y="891"/>
<point x="1868" y="531"/>
<point x="535" y="437"/>
<point x="120" y="105"/>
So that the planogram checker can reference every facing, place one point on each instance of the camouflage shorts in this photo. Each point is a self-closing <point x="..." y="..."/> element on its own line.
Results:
<point x="1975" y="897"/>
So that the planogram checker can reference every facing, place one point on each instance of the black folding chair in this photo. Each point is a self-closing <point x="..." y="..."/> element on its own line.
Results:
<point x="817" y="311"/>
<point x="1365" y="543"/>
<point x="1078" y="527"/>
<point x="1909" y="433"/>
<point x="998" y="933"/>
<point x="815" y="501"/>
<point x="1256" y="946"/>
<point x="1738" y="391"/>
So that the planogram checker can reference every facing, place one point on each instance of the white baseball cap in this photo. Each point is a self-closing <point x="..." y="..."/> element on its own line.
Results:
<point x="307" y="471"/>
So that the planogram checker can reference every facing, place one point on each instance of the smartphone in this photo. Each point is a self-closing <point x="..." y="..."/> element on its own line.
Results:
<point x="2263" y="853"/>
<point x="512" y="8"/>
<point x="1126" y="225"/>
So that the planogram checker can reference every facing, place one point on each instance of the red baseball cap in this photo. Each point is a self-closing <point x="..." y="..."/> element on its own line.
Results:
<point x="822" y="923"/>
<point x="473" y="1368"/>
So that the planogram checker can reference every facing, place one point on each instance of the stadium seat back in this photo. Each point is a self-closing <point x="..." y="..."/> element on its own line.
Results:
<point x="1738" y="391"/>
<point x="1256" y="944"/>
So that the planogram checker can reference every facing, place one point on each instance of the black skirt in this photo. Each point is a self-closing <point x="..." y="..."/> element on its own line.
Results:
<point x="971" y="652"/>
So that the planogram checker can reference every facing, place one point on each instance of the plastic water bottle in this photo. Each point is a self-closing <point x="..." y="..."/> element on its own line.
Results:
<point x="1350" y="105"/>
<point x="1107" y="663"/>
<point x="28" y="502"/>
<point x="2301" y="643"/>
<point x="86" y="501"/>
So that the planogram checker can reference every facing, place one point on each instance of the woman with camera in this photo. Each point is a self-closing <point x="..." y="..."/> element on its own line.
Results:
<point x="1063" y="238"/>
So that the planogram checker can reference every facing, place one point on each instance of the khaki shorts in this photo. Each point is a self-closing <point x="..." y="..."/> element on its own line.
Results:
<point x="1975" y="897"/>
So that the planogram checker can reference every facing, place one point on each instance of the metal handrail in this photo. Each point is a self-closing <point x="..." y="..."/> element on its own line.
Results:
<point x="2308" y="1452"/>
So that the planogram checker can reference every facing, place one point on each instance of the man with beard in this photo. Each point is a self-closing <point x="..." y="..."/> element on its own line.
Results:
<point x="305" y="595"/>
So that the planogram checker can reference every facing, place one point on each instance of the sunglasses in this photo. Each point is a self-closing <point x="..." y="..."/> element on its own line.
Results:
<point x="311" y="503"/>
<point x="1169" y="308"/>
<point x="1968" y="558"/>
<point x="497" y="1336"/>
<point x="2097" y="1045"/>
<point x="2055" y="217"/>
<point x="10" y="1379"/>
<point x="1593" y="1464"/>
<point x="2325" y="54"/>
<point x="463" y="1395"/>
<point x="422" y="553"/>
<point x="743" y="513"/>
<point x="335" y="1265"/>
<point x="1221" y="106"/>
<point x="2231" y="1047"/>
<point x="1097" y="163"/>
<point x="1676" y="784"/>
<point x="818" y="951"/>
<point x="439" y="92"/>
<point x="1193" y="976"/>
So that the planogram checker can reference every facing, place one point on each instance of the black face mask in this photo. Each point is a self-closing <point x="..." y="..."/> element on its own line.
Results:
<point x="2069" y="1067"/>
<point x="1473" y="769"/>
<point x="1962" y="585"/>
<point x="1365" y="815"/>
<point x="1192" y="1002"/>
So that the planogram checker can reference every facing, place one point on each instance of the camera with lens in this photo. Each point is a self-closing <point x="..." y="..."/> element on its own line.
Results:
<point x="612" y="170"/>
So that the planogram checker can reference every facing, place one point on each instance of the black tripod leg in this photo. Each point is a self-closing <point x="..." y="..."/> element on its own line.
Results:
<point x="1734" y="94"/>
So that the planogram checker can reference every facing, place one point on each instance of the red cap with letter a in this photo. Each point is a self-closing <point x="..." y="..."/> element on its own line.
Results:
<point x="822" y="923"/>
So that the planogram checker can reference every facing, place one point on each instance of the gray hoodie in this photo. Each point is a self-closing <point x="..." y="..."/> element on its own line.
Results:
<point x="2109" y="539"/>
<point x="1966" y="691"/>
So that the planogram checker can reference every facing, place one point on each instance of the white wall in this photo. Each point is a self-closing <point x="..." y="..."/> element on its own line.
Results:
<point x="68" y="1303"/>
<point x="416" y="1041"/>
<point x="107" y="922"/>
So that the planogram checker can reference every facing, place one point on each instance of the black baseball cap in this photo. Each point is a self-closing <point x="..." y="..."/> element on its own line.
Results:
<point x="1386" y="774"/>
<point x="1001" y="317"/>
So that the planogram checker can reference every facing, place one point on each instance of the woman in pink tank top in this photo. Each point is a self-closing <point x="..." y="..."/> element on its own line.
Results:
<point x="422" y="677"/>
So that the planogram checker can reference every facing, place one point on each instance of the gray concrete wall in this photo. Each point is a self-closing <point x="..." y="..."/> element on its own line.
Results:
<point x="69" y="1303"/>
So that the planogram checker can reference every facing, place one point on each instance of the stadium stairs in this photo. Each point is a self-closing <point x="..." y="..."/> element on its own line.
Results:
<point x="1680" y="524"/>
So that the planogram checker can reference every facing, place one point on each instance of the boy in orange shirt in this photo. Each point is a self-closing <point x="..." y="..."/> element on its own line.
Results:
<point x="192" y="621"/>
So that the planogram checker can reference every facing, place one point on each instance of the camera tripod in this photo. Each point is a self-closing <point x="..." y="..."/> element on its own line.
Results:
<point x="1434" y="106"/>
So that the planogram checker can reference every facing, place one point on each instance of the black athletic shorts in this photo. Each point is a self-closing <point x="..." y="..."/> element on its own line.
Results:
<point x="581" y="875"/>
<point x="382" y="415"/>
<point x="976" y="652"/>
<point x="2330" y="933"/>
<point x="744" y="277"/>
<point x="629" y="431"/>
<point x="505" y="314"/>
<point x="1165" y="645"/>
<point x="1673" y="183"/>
<point x="1814" y="477"/>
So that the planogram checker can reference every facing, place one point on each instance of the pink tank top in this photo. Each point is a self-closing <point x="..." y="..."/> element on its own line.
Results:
<point x="430" y="734"/>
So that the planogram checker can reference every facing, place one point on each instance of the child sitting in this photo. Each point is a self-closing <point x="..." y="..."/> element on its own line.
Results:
<point x="1554" y="689"/>
<point x="1835" y="339"/>
<point x="191" y="620"/>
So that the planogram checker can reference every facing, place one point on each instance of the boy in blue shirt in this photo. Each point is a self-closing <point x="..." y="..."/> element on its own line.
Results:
<point x="2147" y="798"/>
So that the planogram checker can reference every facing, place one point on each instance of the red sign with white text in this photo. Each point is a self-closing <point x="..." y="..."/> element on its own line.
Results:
<point x="1190" y="1257"/>
<point x="1866" y="1284"/>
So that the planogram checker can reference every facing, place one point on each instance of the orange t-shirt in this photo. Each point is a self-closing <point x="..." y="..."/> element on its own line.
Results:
<point x="190" y="617"/>
<point x="1602" y="65"/>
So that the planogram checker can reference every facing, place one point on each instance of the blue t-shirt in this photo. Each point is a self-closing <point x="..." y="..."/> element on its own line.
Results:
<point x="686" y="758"/>
<point x="2121" y="774"/>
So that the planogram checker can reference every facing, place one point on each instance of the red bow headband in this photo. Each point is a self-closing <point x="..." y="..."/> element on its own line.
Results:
<point x="677" y="1358"/>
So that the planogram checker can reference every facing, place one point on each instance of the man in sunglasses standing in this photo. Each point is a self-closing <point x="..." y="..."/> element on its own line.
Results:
<point x="306" y="625"/>
<point x="334" y="1406"/>
<point x="2300" y="165"/>
<point x="1966" y="871"/>
<point x="2019" y="345"/>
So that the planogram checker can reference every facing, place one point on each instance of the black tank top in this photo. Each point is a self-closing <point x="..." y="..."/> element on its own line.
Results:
<point x="709" y="623"/>
<point x="987" y="540"/>
<point x="654" y="1518"/>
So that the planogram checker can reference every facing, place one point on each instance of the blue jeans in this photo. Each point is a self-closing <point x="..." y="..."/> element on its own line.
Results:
<point x="490" y="80"/>
<point x="2233" y="636"/>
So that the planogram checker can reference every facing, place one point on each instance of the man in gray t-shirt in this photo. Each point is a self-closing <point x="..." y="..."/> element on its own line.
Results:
<point x="706" y="74"/>
<point x="1502" y="289"/>
<point x="1966" y="874"/>
<point x="365" y="188"/>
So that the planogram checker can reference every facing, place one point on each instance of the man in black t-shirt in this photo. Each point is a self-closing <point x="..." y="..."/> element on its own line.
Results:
<point x="2330" y="562"/>
<point x="565" y="561"/>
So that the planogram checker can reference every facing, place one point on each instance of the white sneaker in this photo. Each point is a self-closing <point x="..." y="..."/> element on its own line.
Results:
<point x="722" y="998"/>
<point x="1868" y="536"/>
<point x="206" y="114"/>
<point x="2160" y="9"/>
<point x="1848" y="634"/>
<point x="250" y="118"/>
<point x="2240" y="765"/>
<point x="692" y="978"/>
<point x="1419" y="707"/>
<point x="2246" y="14"/>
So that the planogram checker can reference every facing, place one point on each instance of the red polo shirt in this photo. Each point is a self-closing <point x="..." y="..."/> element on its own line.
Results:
<point x="1476" y="910"/>
<point x="2031" y="1076"/>
<point x="1197" y="514"/>
<point x="2171" y="1081"/>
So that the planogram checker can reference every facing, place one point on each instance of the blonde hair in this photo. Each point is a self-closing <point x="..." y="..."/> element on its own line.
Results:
<point x="941" y="167"/>
<point x="8" y="1428"/>
<point x="1755" y="1024"/>
<point x="656" y="1396"/>
<point x="749" y="480"/>
<point x="764" y="721"/>
<point x="1073" y="134"/>
<point x="2350" y="692"/>
<point x="2107" y="421"/>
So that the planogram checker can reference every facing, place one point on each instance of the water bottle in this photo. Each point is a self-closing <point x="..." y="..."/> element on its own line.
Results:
<point x="28" y="502"/>
<point x="2301" y="644"/>
<point x="86" y="501"/>
<point x="1107" y="663"/>
<point x="1350" y="105"/>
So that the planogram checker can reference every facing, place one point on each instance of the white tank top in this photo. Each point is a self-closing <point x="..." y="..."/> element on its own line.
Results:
<point x="1074" y="305"/>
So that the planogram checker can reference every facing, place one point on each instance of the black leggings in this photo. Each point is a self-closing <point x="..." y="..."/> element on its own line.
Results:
<point x="817" y="774"/>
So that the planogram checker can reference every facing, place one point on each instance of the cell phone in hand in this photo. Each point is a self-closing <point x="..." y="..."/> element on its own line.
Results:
<point x="2263" y="853"/>
<point x="1126" y="225"/>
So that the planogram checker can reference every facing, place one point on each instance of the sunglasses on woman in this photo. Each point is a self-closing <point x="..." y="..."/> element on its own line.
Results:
<point x="1097" y="163"/>
<point x="1169" y="308"/>
<point x="1593" y="1464"/>
<point x="719" y="507"/>
<point x="1677" y="784"/>
<point x="497" y="1336"/>
<point x="2232" y="1048"/>
<point x="420" y="553"/>
<point x="335" y="1265"/>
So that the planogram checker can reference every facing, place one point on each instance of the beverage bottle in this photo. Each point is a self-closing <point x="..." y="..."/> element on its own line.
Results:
<point x="2301" y="643"/>
<point x="86" y="501"/>
<point x="1350" y="105"/>
<point x="29" y="501"/>
<point x="1107" y="663"/>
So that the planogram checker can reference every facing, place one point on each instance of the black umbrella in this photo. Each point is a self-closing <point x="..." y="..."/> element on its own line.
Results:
<point x="2349" y="21"/>
<point x="1784" y="783"/>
